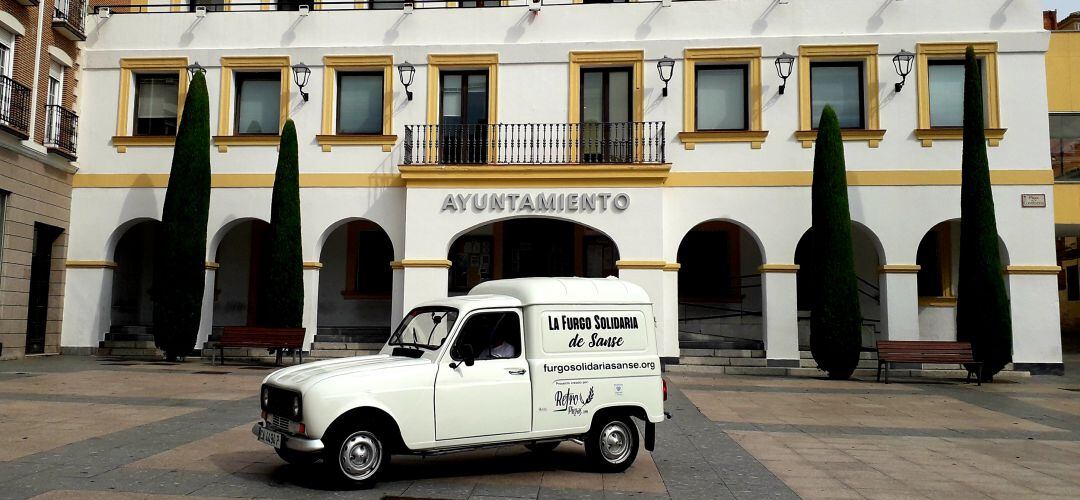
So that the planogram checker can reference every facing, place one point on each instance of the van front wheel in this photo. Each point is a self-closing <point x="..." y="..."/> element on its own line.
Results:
<point x="612" y="443"/>
<point x="356" y="457"/>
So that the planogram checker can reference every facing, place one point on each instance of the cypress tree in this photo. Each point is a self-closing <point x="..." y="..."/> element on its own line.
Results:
<point x="281" y="297"/>
<point x="982" y="307"/>
<point x="835" y="319"/>
<point x="180" y="265"/>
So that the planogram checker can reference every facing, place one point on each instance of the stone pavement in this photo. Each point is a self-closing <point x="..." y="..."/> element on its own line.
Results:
<point x="86" y="427"/>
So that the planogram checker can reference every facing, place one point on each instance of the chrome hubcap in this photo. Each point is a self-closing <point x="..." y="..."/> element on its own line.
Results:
<point x="360" y="455"/>
<point x="615" y="442"/>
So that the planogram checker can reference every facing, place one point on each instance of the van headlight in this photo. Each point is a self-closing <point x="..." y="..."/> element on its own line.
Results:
<point x="296" y="407"/>
<point x="265" y="397"/>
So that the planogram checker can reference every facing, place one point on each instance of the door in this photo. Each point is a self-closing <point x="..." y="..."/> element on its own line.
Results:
<point x="607" y="115"/>
<point x="52" y="104"/>
<point x="494" y="395"/>
<point x="37" y="311"/>
<point x="463" y="117"/>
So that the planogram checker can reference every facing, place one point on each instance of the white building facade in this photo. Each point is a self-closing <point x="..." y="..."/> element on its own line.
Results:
<point x="542" y="143"/>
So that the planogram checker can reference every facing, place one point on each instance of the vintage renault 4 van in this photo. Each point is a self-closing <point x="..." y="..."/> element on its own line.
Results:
<point x="532" y="361"/>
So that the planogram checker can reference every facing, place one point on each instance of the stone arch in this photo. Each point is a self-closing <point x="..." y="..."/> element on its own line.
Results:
<point x="488" y="222"/>
<point x="355" y="291"/>
<point x="132" y="249"/>
<point x="120" y="231"/>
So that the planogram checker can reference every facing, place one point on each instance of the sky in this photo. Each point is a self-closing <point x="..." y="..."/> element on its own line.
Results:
<point x="1062" y="6"/>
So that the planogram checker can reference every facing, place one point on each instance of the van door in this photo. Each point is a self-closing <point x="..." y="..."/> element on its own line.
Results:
<point x="494" y="395"/>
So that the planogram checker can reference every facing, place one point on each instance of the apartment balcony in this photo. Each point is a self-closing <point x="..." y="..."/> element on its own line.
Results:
<point x="14" y="108"/>
<point x="69" y="19"/>
<point x="61" y="131"/>
<point x="622" y="143"/>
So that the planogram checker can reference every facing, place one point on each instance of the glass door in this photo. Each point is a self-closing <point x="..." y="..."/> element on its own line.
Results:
<point x="463" y="120"/>
<point x="607" y="115"/>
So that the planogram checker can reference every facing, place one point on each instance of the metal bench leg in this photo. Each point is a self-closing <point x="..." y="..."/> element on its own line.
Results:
<point x="221" y="349"/>
<point x="879" y="372"/>
<point x="980" y="374"/>
<point x="278" y="362"/>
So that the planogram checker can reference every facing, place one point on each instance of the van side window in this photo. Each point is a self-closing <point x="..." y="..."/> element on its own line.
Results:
<point x="492" y="335"/>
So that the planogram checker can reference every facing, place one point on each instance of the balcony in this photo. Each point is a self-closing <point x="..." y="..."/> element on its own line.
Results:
<point x="69" y="19"/>
<point x="535" y="144"/>
<point x="14" y="108"/>
<point x="61" y="131"/>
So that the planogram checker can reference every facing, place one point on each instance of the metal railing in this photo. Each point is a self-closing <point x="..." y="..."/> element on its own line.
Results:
<point x="14" y="105"/>
<point x="535" y="143"/>
<point x="161" y="6"/>
<point x="72" y="13"/>
<point x="61" y="129"/>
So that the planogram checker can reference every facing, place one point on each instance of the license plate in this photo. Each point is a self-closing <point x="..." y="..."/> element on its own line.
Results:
<point x="270" y="437"/>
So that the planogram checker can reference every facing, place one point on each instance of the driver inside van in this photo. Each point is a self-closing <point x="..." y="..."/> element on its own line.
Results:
<point x="498" y="348"/>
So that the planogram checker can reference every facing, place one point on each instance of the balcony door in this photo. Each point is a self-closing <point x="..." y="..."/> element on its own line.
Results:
<point x="607" y="115"/>
<point x="463" y="116"/>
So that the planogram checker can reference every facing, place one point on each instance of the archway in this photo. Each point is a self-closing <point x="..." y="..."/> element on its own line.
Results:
<point x="720" y="293"/>
<point x="237" y="278"/>
<point x="868" y="258"/>
<point x="529" y="247"/>
<point x="355" y="284"/>
<point x="938" y="259"/>
<point x="132" y="311"/>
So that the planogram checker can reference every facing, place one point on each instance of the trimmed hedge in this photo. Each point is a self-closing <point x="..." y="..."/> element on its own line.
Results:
<point x="281" y="296"/>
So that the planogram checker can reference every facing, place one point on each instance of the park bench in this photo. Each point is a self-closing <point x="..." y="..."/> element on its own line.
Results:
<point x="278" y="339"/>
<point x="904" y="351"/>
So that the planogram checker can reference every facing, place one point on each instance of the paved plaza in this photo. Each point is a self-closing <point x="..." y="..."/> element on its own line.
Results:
<point x="87" y="427"/>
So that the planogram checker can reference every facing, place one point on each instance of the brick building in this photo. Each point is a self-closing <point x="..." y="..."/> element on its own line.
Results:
<point x="39" y="54"/>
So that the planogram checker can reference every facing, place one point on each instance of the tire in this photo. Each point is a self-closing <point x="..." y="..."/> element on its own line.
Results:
<point x="544" y="447"/>
<point x="612" y="443"/>
<point x="356" y="456"/>
<point x="297" y="458"/>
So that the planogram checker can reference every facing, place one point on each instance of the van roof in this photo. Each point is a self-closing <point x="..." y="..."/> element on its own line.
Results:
<point x="532" y="291"/>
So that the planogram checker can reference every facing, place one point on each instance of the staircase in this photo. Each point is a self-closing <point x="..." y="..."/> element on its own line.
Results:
<point x="129" y="342"/>
<point x="343" y="342"/>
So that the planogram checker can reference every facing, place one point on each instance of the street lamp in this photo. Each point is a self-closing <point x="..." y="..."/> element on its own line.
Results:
<point x="195" y="67"/>
<point x="784" y="63"/>
<point x="406" y="72"/>
<point x="665" y="66"/>
<point x="301" y="73"/>
<point x="902" y="62"/>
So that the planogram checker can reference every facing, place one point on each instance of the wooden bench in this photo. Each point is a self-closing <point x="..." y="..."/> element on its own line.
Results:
<point x="264" y="338"/>
<point x="903" y="351"/>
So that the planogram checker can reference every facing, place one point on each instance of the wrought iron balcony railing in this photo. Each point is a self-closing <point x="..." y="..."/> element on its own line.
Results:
<point x="15" y="107"/>
<point x="69" y="19"/>
<point x="534" y="143"/>
<point x="61" y="131"/>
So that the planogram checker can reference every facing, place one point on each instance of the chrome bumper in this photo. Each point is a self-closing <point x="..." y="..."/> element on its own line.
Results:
<point x="295" y="443"/>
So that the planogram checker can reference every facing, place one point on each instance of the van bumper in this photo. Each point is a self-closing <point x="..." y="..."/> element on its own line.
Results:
<point x="295" y="443"/>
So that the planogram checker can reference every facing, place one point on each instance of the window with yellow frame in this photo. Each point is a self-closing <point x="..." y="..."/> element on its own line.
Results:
<point x="358" y="95"/>
<point x="730" y="77"/>
<point x="238" y="73"/>
<point x="606" y="70"/>
<point x="940" y="76"/>
<point x="837" y="59"/>
<point x="129" y="109"/>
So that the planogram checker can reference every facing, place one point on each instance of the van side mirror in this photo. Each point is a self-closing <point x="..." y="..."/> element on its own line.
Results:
<point x="467" y="354"/>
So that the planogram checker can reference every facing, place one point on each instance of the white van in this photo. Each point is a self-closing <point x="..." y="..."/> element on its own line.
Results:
<point x="531" y="361"/>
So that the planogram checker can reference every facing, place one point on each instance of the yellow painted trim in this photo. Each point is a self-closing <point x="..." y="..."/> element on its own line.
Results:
<point x="1067" y="203"/>
<point x="127" y="141"/>
<point x="329" y="141"/>
<point x="751" y="56"/>
<point x="425" y="263"/>
<point x="90" y="264"/>
<point x="129" y="66"/>
<point x="229" y="65"/>
<point x="596" y="59"/>
<point x="333" y="64"/>
<point x="211" y="266"/>
<point x="937" y="301"/>
<point x="872" y="137"/>
<point x="778" y="268"/>
<point x="925" y="52"/>
<point x="224" y="141"/>
<point x="658" y="265"/>
<point x="868" y="54"/>
<point x="739" y="179"/>
<point x="927" y="136"/>
<point x="1033" y="270"/>
<point x="899" y="269"/>
<point x="672" y="267"/>
<point x="313" y="265"/>
<point x="570" y="175"/>
<point x="307" y="180"/>
<point x="436" y="62"/>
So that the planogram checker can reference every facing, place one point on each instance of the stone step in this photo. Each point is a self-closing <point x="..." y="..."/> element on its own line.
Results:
<point x="128" y="337"/>
<point x="721" y="361"/>
<point x="129" y="353"/>
<point x="127" y="344"/>
<point x="131" y="330"/>
<point x="338" y="353"/>
<point x="724" y="353"/>
<point x="806" y="354"/>
<point x="351" y="346"/>
<point x="866" y="374"/>
<point x="721" y="344"/>
<point x="863" y="363"/>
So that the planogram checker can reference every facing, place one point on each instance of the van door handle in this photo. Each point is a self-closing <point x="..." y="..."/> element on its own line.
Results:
<point x="517" y="371"/>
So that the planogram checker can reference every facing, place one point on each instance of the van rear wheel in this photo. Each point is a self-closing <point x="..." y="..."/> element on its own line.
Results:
<point x="356" y="457"/>
<point x="612" y="443"/>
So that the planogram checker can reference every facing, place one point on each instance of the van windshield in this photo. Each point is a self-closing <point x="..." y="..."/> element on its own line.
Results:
<point x="425" y="327"/>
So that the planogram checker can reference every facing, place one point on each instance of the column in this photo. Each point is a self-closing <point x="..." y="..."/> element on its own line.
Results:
<point x="900" y="301"/>
<point x="1036" y="320"/>
<point x="206" y="316"/>
<point x="87" y="303"/>
<point x="424" y="280"/>
<point x="311" y="302"/>
<point x="650" y="275"/>
<point x="397" y="294"/>
<point x="780" y="314"/>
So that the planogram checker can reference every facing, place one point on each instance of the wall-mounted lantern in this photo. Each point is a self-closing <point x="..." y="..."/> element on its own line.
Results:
<point x="665" y="66"/>
<point x="902" y="61"/>
<point x="407" y="7"/>
<point x="301" y="73"/>
<point x="784" y="63"/>
<point x="406" y="72"/>
<point x="195" y="67"/>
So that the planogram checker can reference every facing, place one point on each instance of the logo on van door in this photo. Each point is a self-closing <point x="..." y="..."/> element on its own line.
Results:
<point x="570" y="397"/>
